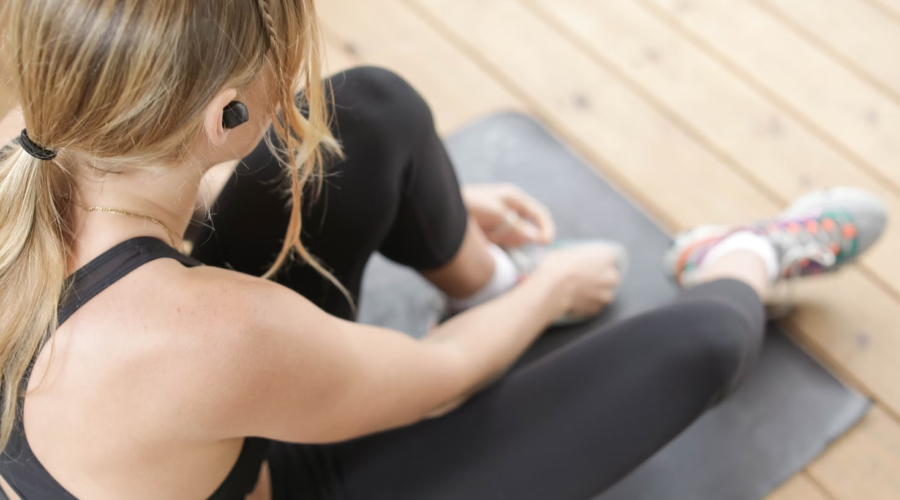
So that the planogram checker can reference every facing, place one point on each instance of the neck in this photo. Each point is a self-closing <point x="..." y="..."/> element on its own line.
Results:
<point x="169" y="196"/>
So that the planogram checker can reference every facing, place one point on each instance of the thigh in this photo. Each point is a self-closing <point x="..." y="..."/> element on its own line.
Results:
<point x="572" y="423"/>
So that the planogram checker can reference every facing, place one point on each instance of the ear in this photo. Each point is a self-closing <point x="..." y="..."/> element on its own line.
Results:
<point x="215" y="131"/>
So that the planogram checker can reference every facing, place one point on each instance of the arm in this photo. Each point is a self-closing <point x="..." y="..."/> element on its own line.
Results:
<point x="298" y="374"/>
<point x="284" y="369"/>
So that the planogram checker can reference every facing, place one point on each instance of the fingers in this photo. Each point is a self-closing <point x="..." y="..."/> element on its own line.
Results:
<point x="515" y="231"/>
<point x="589" y="276"/>
<point x="597" y="293"/>
<point x="535" y="216"/>
<point x="592" y="303"/>
<point x="508" y="216"/>
<point x="509" y="238"/>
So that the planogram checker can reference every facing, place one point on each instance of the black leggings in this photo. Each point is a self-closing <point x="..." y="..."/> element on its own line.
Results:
<point x="566" y="426"/>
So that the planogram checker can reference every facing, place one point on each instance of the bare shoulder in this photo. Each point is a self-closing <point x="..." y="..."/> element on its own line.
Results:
<point x="220" y="325"/>
<point x="283" y="368"/>
<point x="239" y="343"/>
<point x="196" y="342"/>
<point x="223" y="355"/>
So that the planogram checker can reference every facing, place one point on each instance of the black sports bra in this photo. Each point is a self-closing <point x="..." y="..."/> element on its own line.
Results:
<point x="21" y="468"/>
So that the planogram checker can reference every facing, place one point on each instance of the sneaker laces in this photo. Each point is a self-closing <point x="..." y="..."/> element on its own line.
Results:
<point x="799" y="247"/>
<point x="796" y="251"/>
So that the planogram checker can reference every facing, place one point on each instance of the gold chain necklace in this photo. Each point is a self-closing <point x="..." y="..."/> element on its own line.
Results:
<point x="136" y="215"/>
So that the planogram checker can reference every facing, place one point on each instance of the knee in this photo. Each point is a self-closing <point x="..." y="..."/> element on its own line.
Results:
<point x="382" y="96"/>
<point x="379" y="84"/>
<point x="719" y="344"/>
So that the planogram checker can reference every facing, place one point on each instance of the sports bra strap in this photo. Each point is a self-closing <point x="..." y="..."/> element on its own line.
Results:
<point x="110" y="267"/>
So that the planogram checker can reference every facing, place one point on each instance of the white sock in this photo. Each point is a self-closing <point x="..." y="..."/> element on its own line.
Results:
<point x="506" y="276"/>
<point x="746" y="241"/>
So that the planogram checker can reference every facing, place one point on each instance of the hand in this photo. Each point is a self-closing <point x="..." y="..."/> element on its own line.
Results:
<point x="585" y="277"/>
<point x="509" y="217"/>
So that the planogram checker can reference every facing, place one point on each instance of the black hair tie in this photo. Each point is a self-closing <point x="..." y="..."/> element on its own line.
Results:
<point x="35" y="150"/>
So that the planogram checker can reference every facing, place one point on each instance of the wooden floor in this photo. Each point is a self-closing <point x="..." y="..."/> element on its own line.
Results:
<point x="702" y="110"/>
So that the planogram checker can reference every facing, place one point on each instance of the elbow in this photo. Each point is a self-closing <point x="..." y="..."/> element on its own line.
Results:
<point x="442" y="410"/>
<point x="438" y="382"/>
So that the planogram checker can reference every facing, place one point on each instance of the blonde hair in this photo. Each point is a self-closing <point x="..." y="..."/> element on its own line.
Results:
<point x="124" y="83"/>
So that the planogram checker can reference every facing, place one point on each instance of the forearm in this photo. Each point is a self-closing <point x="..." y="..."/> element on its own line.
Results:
<point x="491" y="337"/>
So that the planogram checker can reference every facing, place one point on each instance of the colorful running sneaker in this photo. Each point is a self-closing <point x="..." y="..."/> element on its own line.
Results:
<point x="819" y="233"/>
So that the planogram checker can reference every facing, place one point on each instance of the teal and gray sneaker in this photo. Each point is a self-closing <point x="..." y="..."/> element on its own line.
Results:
<point x="819" y="233"/>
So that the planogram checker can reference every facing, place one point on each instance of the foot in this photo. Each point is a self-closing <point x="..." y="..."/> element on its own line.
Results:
<point x="527" y="260"/>
<point x="820" y="233"/>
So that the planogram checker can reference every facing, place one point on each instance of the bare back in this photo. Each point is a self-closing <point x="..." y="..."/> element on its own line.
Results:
<point x="112" y="402"/>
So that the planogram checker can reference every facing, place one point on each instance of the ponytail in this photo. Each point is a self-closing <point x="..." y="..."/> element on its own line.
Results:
<point x="33" y="260"/>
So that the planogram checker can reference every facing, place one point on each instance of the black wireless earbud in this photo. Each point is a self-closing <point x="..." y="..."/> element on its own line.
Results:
<point x="235" y="114"/>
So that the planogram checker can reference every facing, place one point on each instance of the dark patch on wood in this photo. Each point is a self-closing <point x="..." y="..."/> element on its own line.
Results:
<point x="581" y="101"/>
<point x="863" y="339"/>
<point x="652" y="55"/>
<point x="351" y="49"/>
<point x="683" y="6"/>
<point x="872" y="117"/>
<point x="774" y="127"/>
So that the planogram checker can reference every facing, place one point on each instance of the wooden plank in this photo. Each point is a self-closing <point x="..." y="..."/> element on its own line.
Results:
<point x="668" y="171"/>
<point x="854" y="32"/>
<point x="865" y="464"/>
<point x="752" y="135"/>
<point x="890" y="8"/>
<point x="648" y="154"/>
<point x="801" y="487"/>
<point x="856" y="118"/>
<point x="386" y="33"/>
<point x="337" y="57"/>
<point x="846" y="322"/>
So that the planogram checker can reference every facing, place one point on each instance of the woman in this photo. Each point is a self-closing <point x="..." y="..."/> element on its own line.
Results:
<point x="130" y="371"/>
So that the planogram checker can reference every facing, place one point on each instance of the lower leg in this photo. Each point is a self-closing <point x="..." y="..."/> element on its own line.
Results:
<point x="741" y="265"/>
<point x="471" y="268"/>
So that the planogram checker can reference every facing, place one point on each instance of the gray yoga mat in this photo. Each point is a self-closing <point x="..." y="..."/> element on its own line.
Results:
<point x="785" y="414"/>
